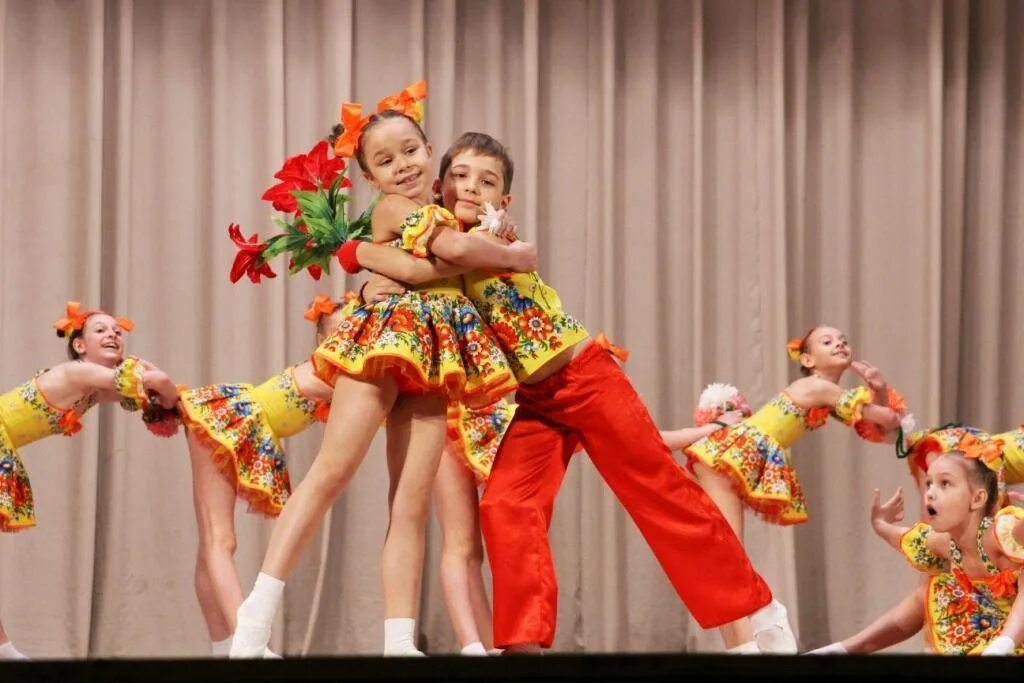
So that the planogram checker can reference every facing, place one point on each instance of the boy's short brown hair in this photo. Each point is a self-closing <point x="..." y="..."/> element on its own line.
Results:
<point x="482" y="144"/>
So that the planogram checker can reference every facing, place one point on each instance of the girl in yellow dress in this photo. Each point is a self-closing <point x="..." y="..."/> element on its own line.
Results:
<point x="54" y="400"/>
<point x="403" y="360"/>
<point x="747" y="465"/>
<point x="972" y="557"/>
<point x="923" y="448"/>
<point x="234" y="439"/>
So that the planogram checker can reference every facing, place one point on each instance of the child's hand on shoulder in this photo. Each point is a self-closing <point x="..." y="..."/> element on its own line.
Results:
<point x="506" y="229"/>
<point x="523" y="256"/>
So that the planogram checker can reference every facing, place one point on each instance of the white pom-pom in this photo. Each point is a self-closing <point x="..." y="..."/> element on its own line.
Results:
<point x="717" y="396"/>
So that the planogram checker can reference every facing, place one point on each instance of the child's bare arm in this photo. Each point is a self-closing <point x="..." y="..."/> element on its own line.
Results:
<point x="898" y="624"/>
<point x="478" y="250"/>
<point x="679" y="439"/>
<point x="400" y="265"/>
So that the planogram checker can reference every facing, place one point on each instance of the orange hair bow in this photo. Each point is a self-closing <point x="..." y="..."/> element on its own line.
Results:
<point x="409" y="101"/>
<point x="793" y="348"/>
<point x="321" y="306"/>
<point x="353" y="122"/>
<point x="74" y="319"/>
<point x="990" y="452"/>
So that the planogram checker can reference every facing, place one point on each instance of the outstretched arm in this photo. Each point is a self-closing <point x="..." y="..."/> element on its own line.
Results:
<point x="679" y="439"/>
<point x="898" y="624"/>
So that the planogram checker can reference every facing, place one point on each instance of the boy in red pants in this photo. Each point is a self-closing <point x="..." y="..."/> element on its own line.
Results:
<point x="573" y="392"/>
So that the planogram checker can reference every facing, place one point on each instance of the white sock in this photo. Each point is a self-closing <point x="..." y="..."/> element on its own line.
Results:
<point x="494" y="652"/>
<point x="399" y="638"/>
<point x="255" y="616"/>
<point x="1003" y="645"/>
<point x="10" y="653"/>
<point x="270" y="654"/>
<point x="772" y="631"/>
<point x="523" y="649"/>
<point x="476" y="649"/>
<point x="830" y="649"/>
<point x="748" y="648"/>
<point x="221" y="648"/>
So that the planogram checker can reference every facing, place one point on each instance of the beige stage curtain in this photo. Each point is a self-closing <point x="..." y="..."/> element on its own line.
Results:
<point x="704" y="180"/>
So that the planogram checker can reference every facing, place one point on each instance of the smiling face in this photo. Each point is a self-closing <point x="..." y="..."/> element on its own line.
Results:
<point x="397" y="159"/>
<point x="952" y="493"/>
<point x="101" y="341"/>
<point x="471" y="181"/>
<point x="826" y="350"/>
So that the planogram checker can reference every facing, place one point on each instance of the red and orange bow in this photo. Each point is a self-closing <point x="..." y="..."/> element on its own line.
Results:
<point x="989" y="452"/>
<point x="74" y="319"/>
<point x="321" y="306"/>
<point x="602" y="341"/>
<point x="795" y="346"/>
<point x="409" y="102"/>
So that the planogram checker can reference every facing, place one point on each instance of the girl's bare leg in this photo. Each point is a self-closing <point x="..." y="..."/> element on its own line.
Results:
<point x="416" y="428"/>
<point x="357" y="410"/>
<point x="218" y="587"/>
<point x="457" y="507"/>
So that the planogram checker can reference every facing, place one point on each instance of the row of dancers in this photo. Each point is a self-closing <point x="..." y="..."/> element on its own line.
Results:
<point x="453" y="319"/>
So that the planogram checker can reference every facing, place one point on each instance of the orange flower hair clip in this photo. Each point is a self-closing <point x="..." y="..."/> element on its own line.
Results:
<point x="409" y="102"/>
<point x="793" y="349"/>
<point x="795" y="346"/>
<point x="74" y="319"/>
<point x="321" y="306"/>
<point x="989" y="452"/>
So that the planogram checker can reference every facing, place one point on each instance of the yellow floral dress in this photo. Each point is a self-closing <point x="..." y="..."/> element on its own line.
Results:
<point x="242" y="425"/>
<point x="474" y="434"/>
<point x="430" y="339"/>
<point x="26" y="416"/>
<point x="754" y="453"/>
<point x="963" y="614"/>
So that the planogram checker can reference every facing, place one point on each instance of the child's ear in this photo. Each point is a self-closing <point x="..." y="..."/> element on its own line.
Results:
<point x="979" y="499"/>
<point x="79" y="346"/>
<point x="435" y="189"/>
<point x="430" y="149"/>
<point x="806" y="361"/>
<point x="370" y="179"/>
<point x="506" y="200"/>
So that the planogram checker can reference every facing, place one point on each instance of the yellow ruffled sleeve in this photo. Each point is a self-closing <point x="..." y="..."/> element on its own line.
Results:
<point x="420" y="226"/>
<point x="1005" y="521"/>
<point x="914" y="546"/>
<point x="128" y="383"/>
<point x="851" y="404"/>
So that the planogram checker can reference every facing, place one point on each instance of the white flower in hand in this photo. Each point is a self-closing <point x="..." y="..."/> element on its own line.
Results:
<point x="490" y="218"/>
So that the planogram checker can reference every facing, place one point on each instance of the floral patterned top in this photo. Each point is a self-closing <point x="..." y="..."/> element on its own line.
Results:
<point x="526" y="316"/>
